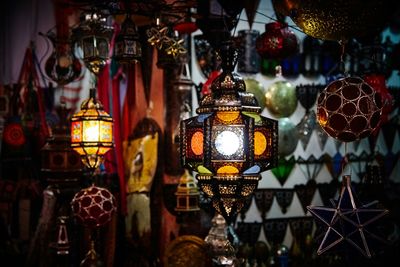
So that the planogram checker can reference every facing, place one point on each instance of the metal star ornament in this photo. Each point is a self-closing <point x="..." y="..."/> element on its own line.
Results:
<point x="347" y="221"/>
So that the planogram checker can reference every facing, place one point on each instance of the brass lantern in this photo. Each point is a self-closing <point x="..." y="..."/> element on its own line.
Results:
<point x="91" y="132"/>
<point x="187" y="194"/>
<point x="93" y="37"/>
<point x="127" y="48"/>
<point x="61" y="165"/>
<point x="229" y="144"/>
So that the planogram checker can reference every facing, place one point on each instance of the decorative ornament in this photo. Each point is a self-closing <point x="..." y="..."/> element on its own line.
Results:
<point x="127" y="47"/>
<point x="349" y="109"/>
<point x="229" y="143"/>
<point x="93" y="37"/>
<point x="284" y="197"/>
<point x="305" y="193"/>
<point x="305" y="128"/>
<point x="284" y="169"/>
<point x="249" y="59"/>
<point x="257" y="89"/>
<point x="264" y="199"/>
<point x="280" y="99"/>
<point x="311" y="16"/>
<point x="348" y="221"/>
<point x="187" y="194"/>
<point x="92" y="132"/>
<point x="93" y="206"/>
<point x="288" y="137"/>
<point x="310" y="167"/>
<point x="157" y="35"/>
<point x="218" y="244"/>
<point x="14" y="135"/>
<point x="62" y="66"/>
<point x="277" y="42"/>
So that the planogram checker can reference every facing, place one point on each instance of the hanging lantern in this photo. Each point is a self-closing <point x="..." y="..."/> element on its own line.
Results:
<point x="127" y="48"/>
<point x="91" y="132"/>
<point x="229" y="143"/>
<point x="280" y="99"/>
<point x="183" y="82"/>
<point x="61" y="164"/>
<point x="187" y="194"/>
<point x="349" y="109"/>
<point x="93" y="37"/>
<point x="62" y="66"/>
<point x="277" y="42"/>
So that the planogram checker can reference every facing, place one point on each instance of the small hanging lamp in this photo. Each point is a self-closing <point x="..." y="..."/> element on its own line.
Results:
<point x="93" y="37"/>
<point x="91" y="132"/>
<point x="229" y="144"/>
<point x="127" y="48"/>
<point x="187" y="194"/>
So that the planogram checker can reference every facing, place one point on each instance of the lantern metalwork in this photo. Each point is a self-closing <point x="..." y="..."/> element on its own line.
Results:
<point x="61" y="165"/>
<point x="92" y="132"/>
<point x="127" y="48"/>
<point x="228" y="144"/>
<point x="187" y="194"/>
<point x="93" y="37"/>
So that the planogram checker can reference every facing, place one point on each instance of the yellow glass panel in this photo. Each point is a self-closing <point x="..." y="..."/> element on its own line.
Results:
<point x="105" y="131"/>
<point x="103" y="150"/>
<point x="91" y="150"/>
<point x="91" y="112"/>
<point x="228" y="170"/>
<point x="79" y="150"/>
<point x="260" y="143"/>
<point x="203" y="170"/>
<point x="196" y="143"/>
<point x="228" y="116"/>
<point x="91" y="131"/>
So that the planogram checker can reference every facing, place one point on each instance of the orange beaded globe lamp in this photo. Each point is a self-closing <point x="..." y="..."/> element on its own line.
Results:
<point x="228" y="144"/>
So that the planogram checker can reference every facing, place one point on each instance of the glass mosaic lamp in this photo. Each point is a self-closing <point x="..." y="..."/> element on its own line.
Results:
<point x="228" y="144"/>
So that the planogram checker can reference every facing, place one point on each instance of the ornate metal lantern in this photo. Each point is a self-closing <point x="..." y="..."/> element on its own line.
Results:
<point x="127" y="47"/>
<point x="92" y="132"/>
<point x="61" y="165"/>
<point x="187" y="194"/>
<point x="229" y="143"/>
<point x="93" y="37"/>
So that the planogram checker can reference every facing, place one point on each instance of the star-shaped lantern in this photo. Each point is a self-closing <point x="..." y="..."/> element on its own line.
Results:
<point x="229" y="144"/>
<point x="348" y="221"/>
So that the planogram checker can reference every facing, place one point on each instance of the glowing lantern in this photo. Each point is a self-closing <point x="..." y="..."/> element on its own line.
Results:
<point x="91" y="132"/>
<point x="229" y="143"/>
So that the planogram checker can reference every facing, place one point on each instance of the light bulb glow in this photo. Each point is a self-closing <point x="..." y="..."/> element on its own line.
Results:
<point x="91" y="131"/>
<point x="227" y="143"/>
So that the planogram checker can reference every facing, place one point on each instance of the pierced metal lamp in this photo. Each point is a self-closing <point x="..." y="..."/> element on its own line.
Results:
<point x="229" y="144"/>
<point x="92" y="132"/>
<point x="127" y="47"/>
<point x="93" y="37"/>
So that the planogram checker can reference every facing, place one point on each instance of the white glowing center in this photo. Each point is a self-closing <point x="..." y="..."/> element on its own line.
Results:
<point x="91" y="134"/>
<point x="227" y="143"/>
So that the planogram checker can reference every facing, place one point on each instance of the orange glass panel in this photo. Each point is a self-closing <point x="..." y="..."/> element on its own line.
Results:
<point x="196" y="143"/>
<point x="227" y="170"/>
<point x="228" y="116"/>
<point x="260" y="143"/>
<point x="76" y="131"/>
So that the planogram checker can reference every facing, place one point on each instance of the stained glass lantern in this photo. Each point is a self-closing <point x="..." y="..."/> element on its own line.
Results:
<point x="229" y="143"/>
<point x="61" y="165"/>
<point x="187" y="194"/>
<point x="91" y="132"/>
<point x="127" y="47"/>
<point x="93" y="37"/>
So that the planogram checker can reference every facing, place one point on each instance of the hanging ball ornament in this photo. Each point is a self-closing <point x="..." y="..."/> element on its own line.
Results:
<point x="288" y="137"/>
<point x="280" y="99"/>
<point x="93" y="206"/>
<point x="349" y="109"/>
<point x="277" y="42"/>
<point x="257" y="89"/>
